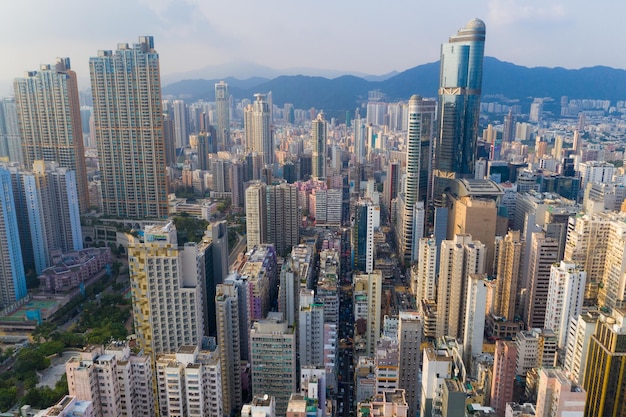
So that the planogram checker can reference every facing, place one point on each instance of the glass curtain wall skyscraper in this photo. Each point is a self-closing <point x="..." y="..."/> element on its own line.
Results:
<point x="222" y="107"/>
<point x="319" y="129"/>
<point x="128" y="116"/>
<point x="49" y="120"/>
<point x="460" y="86"/>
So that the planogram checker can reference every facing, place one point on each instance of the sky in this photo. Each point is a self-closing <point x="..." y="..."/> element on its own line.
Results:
<point x="368" y="36"/>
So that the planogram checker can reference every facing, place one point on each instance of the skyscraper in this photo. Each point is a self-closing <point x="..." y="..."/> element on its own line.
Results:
<point x="420" y="127"/>
<point x="459" y="259"/>
<point x="366" y="216"/>
<point x="10" y="141"/>
<point x="604" y="376"/>
<point x="228" y="339"/>
<point x="543" y="253"/>
<point x="272" y="216"/>
<point x="46" y="201"/>
<point x="128" y="116"/>
<point x="181" y="123"/>
<point x="222" y="104"/>
<point x="460" y="86"/>
<point x="258" y="129"/>
<point x="273" y="360"/>
<point x="49" y="121"/>
<point x="166" y="288"/>
<point x="319" y="133"/>
<point x="12" y="277"/>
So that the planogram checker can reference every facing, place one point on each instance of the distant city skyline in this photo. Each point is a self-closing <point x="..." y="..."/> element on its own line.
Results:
<point x="362" y="38"/>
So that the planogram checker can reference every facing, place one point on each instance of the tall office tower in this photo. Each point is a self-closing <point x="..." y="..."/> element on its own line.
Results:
<point x="181" y="123"/>
<point x="273" y="360"/>
<point x="508" y="275"/>
<point x="459" y="259"/>
<point x="580" y="331"/>
<point x="460" y="85"/>
<point x="424" y="284"/>
<point x="370" y="285"/>
<point x="12" y="276"/>
<point x="310" y="330"/>
<point x="205" y="147"/>
<point x="565" y="299"/>
<point x="365" y="217"/>
<point x="128" y="115"/>
<point x="168" y="140"/>
<point x="283" y="217"/>
<point x="49" y="121"/>
<point x="612" y="291"/>
<point x="474" y="326"/>
<point x="558" y="395"/>
<point x="236" y="184"/>
<point x="420" y="128"/>
<point x="189" y="383"/>
<point x="228" y="339"/>
<point x="508" y="130"/>
<point x="503" y="379"/>
<point x="47" y="207"/>
<point x="410" y="328"/>
<point x="258" y="129"/>
<point x="604" y="374"/>
<point x="256" y="214"/>
<point x="360" y="139"/>
<point x="166" y="288"/>
<point x="474" y="211"/>
<point x="222" y="108"/>
<point x="319" y="135"/>
<point x="10" y="141"/>
<point x="543" y="253"/>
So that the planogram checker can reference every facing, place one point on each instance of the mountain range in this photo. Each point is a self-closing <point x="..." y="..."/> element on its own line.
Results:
<point x="345" y="93"/>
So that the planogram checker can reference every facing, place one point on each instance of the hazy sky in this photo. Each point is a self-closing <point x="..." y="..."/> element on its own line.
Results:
<point x="367" y="36"/>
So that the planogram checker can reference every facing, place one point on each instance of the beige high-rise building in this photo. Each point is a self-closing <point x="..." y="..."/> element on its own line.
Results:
<point x="256" y="216"/>
<point x="273" y="216"/>
<point x="508" y="275"/>
<point x="558" y="396"/>
<point x="587" y="239"/>
<point x="258" y="129"/>
<point x="189" y="383"/>
<point x="423" y="275"/>
<point x="117" y="382"/>
<point x="128" y="122"/>
<point x="371" y="286"/>
<point x="167" y="289"/>
<point x="459" y="259"/>
<point x="612" y="291"/>
<point x="48" y="109"/>
<point x="474" y="212"/>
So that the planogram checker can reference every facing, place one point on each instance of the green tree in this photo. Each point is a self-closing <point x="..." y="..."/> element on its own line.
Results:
<point x="8" y="397"/>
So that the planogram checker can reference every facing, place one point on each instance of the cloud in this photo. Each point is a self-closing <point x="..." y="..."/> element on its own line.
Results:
<point x="506" y="12"/>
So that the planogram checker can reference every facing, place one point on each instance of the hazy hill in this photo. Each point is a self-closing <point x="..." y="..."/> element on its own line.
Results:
<point x="345" y="93"/>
